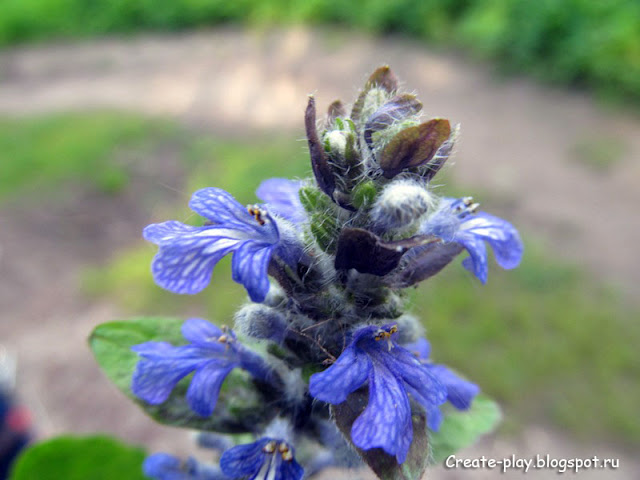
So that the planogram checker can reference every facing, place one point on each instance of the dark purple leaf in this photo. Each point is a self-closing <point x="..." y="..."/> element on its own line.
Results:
<point x="396" y="109"/>
<point x="433" y="166"/>
<point x="321" y="168"/>
<point x="414" y="146"/>
<point x="367" y="253"/>
<point x="428" y="261"/>
<point x="336" y="110"/>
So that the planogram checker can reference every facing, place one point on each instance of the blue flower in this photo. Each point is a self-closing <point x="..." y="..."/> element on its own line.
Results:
<point x="267" y="458"/>
<point x="188" y="254"/>
<point x="281" y="197"/>
<point x="460" y="393"/>
<point x="456" y="221"/>
<point x="162" y="466"/>
<point x="212" y="354"/>
<point x="392" y="373"/>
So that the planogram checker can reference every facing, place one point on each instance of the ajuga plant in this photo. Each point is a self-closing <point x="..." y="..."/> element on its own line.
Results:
<point x="323" y="366"/>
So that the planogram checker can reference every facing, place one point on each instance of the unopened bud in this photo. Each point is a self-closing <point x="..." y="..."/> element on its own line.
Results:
<point x="259" y="321"/>
<point x="400" y="204"/>
<point x="337" y="142"/>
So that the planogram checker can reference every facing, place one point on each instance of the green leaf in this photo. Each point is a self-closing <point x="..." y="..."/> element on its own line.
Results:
<point x="364" y="194"/>
<point x="325" y="230"/>
<point x="80" y="458"/>
<point x="313" y="200"/>
<point x="462" y="428"/>
<point x="240" y="406"/>
<point x="384" y="465"/>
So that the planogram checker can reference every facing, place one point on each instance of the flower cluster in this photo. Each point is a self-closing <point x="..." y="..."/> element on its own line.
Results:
<point x="324" y="262"/>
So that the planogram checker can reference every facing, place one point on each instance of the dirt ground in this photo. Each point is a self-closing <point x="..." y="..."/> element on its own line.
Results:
<point x="517" y="145"/>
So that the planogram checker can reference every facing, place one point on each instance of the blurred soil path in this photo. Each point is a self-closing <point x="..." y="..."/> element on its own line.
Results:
<point x="516" y="147"/>
<point x="45" y="319"/>
<point x="519" y="143"/>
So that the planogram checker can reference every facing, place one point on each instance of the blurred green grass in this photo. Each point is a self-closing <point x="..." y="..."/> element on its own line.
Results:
<point x="46" y="152"/>
<point x="594" y="43"/>
<point x="546" y="339"/>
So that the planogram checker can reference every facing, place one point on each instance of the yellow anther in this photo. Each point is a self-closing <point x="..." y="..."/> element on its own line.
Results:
<point x="223" y="338"/>
<point x="467" y="201"/>
<point x="255" y="211"/>
<point x="283" y="448"/>
<point x="285" y="451"/>
<point x="269" y="447"/>
<point x="384" y="334"/>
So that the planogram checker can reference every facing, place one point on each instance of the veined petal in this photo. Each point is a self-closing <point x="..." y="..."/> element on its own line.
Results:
<point x="249" y="268"/>
<point x="501" y="235"/>
<point x="243" y="460"/>
<point x="166" y="231"/>
<point x="281" y="197"/>
<point x="199" y="331"/>
<point x="425" y="387"/>
<point x="153" y="349"/>
<point x="289" y="470"/>
<point x="434" y="418"/>
<point x="220" y="207"/>
<point x="153" y="380"/>
<point x="386" y="422"/>
<point x="184" y="263"/>
<point x="476" y="263"/>
<point x="459" y="391"/>
<point x="204" y="389"/>
<point x="421" y="348"/>
<point x="346" y="375"/>
<point x="261" y="461"/>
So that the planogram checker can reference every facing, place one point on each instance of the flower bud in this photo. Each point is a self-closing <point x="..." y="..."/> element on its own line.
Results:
<point x="336" y="141"/>
<point x="259" y="321"/>
<point x="409" y="328"/>
<point x="400" y="204"/>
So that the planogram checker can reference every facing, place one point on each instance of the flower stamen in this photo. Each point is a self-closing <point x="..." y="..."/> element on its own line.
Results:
<point x="385" y="334"/>
<point x="466" y="206"/>
<point x="285" y="452"/>
<point x="269" y="447"/>
<point x="257" y="213"/>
